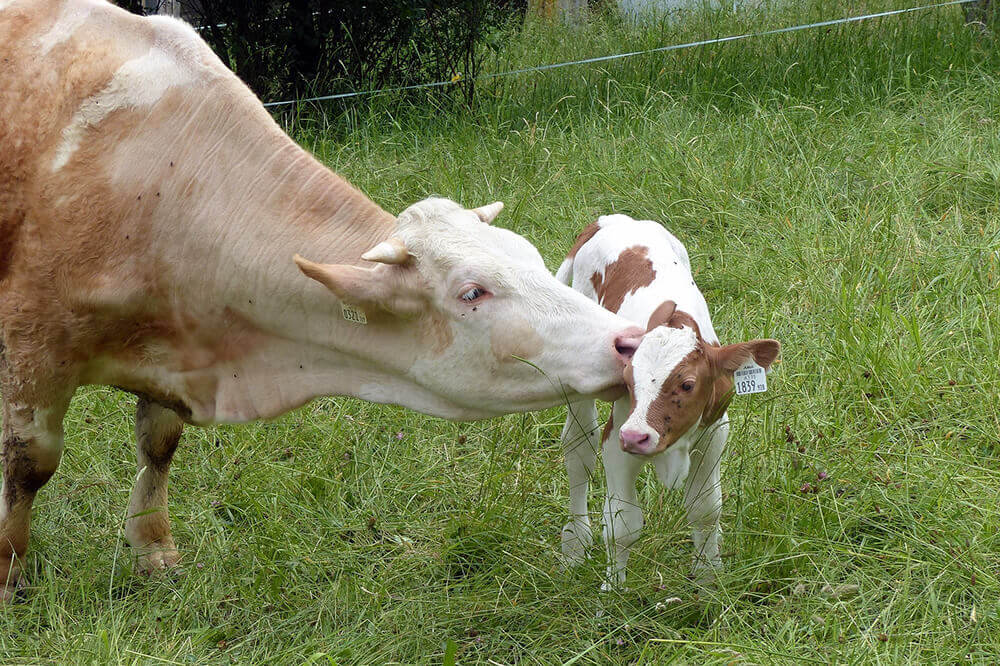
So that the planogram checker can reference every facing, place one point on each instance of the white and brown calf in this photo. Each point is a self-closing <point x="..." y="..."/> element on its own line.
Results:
<point x="680" y="381"/>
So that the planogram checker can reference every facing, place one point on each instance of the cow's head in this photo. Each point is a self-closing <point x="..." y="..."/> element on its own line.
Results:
<point x="677" y="381"/>
<point x="505" y="334"/>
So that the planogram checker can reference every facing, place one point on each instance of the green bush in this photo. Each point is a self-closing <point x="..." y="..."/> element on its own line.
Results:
<point x="283" y="49"/>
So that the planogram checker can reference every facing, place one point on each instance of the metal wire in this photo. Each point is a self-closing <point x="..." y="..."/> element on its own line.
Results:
<point x="618" y="56"/>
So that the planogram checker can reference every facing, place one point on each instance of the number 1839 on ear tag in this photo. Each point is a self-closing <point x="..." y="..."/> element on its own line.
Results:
<point x="749" y="378"/>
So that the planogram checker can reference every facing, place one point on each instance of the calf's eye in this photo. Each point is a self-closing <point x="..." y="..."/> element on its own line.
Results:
<point x="687" y="386"/>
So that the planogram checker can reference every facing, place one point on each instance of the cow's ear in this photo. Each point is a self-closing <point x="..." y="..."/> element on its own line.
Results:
<point x="763" y="352"/>
<point x="489" y="212"/>
<point x="385" y="286"/>
<point x="661" y="315"/>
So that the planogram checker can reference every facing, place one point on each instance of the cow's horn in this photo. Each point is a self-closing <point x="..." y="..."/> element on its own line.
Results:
<point x="392" y="251"/>
<point x="488" y="212"/>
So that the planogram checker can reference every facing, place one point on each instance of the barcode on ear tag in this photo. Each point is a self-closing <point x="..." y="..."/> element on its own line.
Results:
<point x="353" y="314"/>
<point x="749" y="378"/>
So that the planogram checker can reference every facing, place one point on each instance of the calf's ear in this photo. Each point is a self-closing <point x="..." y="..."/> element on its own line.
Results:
<point x="384" y="286"/>
<point x="661" y="315"/>
<point x="763" y="352"/>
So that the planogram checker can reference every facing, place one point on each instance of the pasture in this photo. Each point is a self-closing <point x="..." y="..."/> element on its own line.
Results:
<point x="838" y="190"/>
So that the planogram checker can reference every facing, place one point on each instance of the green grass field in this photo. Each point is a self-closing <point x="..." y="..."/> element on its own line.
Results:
<point x="837" y="189"/>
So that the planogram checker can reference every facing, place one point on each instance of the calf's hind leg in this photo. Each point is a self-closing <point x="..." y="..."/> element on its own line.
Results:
<point x="157" y="432"/>
<point x="32" y="447"/>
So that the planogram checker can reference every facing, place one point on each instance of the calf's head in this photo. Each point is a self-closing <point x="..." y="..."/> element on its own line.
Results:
<point x="505" y="334"/>
<point x="677" y="381"/>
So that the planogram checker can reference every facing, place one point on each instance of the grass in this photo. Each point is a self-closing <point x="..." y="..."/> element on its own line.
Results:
<point x="837" y="190"/>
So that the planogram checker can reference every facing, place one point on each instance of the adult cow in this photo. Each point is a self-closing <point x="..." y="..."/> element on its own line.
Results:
<point x="150" y="209"/>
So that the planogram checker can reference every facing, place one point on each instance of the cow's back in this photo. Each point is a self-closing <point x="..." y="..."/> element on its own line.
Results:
<point x="52" y="57"/>
<point x="82" y="83"/>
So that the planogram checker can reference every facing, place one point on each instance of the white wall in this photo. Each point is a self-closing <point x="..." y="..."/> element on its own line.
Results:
<point x="656" y="8"/>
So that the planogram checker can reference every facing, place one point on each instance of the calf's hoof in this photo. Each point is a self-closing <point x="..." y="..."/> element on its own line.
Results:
<point x="704" y="573"/>
<point x="156" y="560"/>
<point x="575" y="542"/>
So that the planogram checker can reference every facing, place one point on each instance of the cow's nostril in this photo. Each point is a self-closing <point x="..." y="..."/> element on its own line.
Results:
<point x="625" y="346"/>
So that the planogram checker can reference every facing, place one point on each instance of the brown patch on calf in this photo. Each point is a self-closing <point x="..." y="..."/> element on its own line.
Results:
<point x="631" y="271"/>
<point x="581" y="240"/>
<point x="722" y="395"/>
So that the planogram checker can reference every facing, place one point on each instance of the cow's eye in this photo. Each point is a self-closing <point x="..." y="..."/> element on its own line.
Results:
<point x="687" y="386"/>
<point x="473" y="294"/>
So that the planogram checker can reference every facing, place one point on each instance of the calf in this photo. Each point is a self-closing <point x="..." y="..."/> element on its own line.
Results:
<point x="680" y="381"/>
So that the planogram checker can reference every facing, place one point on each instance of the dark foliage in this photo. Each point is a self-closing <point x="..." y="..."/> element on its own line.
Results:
<point x="284" y="49"/>
<point x="132" y="5"/>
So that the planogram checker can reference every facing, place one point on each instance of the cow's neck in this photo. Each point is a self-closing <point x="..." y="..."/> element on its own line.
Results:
<point x="287" y="203"/>
<point x="269" y="338"/>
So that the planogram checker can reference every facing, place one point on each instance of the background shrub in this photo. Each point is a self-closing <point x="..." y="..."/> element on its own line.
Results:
<point x="292" y="48"/>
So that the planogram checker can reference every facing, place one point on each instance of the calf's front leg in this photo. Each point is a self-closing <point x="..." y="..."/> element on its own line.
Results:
<point x="157" y="432"/>
<point x="672" y="465"/>
<point x="580" y="445"/>
<point x="623" y="519"/>
<point x="703" y="499"/>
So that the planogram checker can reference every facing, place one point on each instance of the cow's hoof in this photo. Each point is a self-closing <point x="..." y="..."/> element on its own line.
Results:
<point x="157" y="561"/>
<point x="13" y="588"/>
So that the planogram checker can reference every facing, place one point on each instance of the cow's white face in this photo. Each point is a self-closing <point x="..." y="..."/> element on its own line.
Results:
<point x="495" y="331"/>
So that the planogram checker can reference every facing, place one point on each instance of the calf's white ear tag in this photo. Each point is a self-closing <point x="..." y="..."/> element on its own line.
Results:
<point x="353" y="314"/>
<point x="749" y="378"/>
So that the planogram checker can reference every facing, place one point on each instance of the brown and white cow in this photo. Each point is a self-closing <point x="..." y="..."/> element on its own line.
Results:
<point x="150" y="209"/>
<point x="680" y="381"/>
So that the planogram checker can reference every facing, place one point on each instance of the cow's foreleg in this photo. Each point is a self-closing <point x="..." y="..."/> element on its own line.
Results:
<point x="623" y="519"/>
<point x="580" y="445"/>
<point x="32" y="447"/>
<point x="157" y="432"/>
<point x="703" y="499"/>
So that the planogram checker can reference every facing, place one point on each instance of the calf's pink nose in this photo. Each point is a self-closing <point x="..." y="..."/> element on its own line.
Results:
<point x="634" y="441"/>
